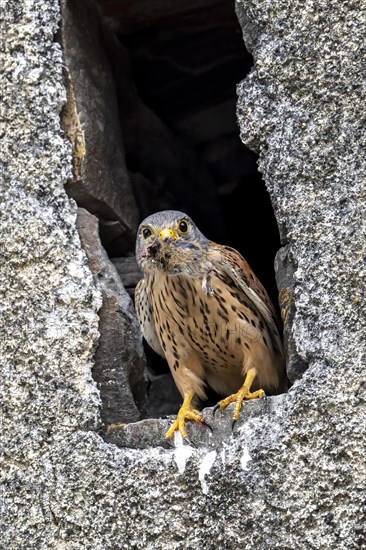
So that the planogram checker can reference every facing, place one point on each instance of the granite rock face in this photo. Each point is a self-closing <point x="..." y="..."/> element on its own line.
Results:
<point x="302" y="109"/>
<point x="120" y="365"/>
<point x="100" y="181"/>
<point x="285" y="270"/>
<point x="292" y="473"/>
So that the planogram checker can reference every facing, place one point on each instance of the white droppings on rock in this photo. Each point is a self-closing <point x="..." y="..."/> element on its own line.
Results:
<point x="223" y="457"/>
<point x="206" y="465"/>
<point x="182" y="452"/>
<point x="245" y="458"/>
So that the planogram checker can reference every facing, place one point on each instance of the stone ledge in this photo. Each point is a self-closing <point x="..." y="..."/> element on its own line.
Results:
<point x="151" y="432"/>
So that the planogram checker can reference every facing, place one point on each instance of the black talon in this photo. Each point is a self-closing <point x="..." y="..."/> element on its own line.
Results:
<point x="217" y="406"/>
<point x="206" y="425"/>
<point x="233" y="425"/>
<point x="188" y="441"/>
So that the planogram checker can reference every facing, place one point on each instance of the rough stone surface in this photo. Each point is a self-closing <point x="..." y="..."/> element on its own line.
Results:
<point x="151" y="432"/>
<point x="292" y="475"/>
<point x="100" y="181"/>
<point x="303" y="109"/>
<point x="129" y="272"/>
<point x="119" y="367"/>
<point x="285" y="270"/>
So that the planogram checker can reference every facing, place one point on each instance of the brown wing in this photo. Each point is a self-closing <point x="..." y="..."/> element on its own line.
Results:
<point x="145" y="317"/>
<point x="229" y="261"/>
<point x="233" y="264"/>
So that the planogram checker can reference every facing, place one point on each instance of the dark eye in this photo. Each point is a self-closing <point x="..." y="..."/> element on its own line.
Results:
<point x="183" y="227"/>
<point x="146" y="232"/>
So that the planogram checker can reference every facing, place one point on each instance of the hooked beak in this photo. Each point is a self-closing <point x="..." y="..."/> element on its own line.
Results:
<point x="166" y="234"/>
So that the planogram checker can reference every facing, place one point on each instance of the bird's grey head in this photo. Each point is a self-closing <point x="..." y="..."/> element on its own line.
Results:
<point x="169" y="241"/>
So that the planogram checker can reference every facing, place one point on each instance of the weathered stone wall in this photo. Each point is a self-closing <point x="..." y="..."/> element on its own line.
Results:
<point x="292" y="475"/>
<point x="303" y="110"/>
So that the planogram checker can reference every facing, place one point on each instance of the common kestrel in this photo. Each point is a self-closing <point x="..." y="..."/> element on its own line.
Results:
<point x="201" y="307"/>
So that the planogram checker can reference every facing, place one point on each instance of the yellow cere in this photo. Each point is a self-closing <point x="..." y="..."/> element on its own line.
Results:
<point x="167" y="233"/>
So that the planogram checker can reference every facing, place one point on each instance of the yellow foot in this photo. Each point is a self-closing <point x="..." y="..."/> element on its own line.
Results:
<point x="238" y="397"/>
<point x="186" y="413"/>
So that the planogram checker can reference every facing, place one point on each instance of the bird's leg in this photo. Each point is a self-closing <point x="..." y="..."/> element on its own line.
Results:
<point x="185" y="413"/>
<point x="243" y="393"/>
